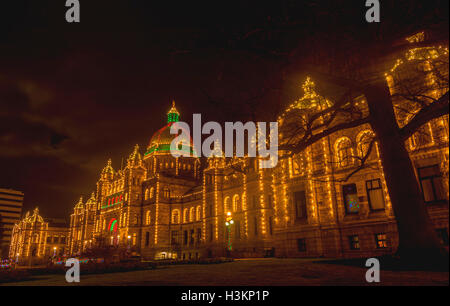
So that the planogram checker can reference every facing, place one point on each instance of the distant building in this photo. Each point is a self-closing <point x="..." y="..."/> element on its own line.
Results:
<point x="34" y="238"/>
<point x="57" y="236"/>
<point x="11" y="202"/>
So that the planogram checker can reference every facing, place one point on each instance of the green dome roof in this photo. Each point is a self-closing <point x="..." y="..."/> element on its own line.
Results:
<point x="161" y="140"/>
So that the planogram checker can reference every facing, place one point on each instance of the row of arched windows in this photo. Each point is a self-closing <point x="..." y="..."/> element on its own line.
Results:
<point x="189" y="215"/>
<point x="149" y="193"/>
<point x="346" y="153"/>
<point x="232" y="203"/>
<point x="136" y="181"/>
<point x="181" y="166"/>
<point x="344" y="149"/>
<point x="115" y="187"/>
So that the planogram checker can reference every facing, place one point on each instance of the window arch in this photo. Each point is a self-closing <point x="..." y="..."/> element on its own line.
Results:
<point x="192" y="214"/>
<point x="166" y="192"/>
<point x="152" y="192"/>
<point x="343" y="151"/>
<point x="147" y="218"/>
<point x="422" y="137"/>
<point x="147" y="194"/>
<point x="363" y="142"/>
<point x="296" y="166"/>
<point x="226" y="204"/>
<point x="199" y="213"/>
<point x="185" y="215"/>
<point x="175" y="216"/>
<point x="236" y="204"/>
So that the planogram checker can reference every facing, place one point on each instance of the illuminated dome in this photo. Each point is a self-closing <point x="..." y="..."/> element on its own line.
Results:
<point x="161" y="140"/>
<point x="310" y="102"/>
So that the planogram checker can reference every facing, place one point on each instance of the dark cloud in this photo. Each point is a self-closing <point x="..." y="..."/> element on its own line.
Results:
<point x="73" y="96"/>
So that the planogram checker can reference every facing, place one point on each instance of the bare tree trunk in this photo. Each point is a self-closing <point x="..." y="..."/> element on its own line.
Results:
<point x="418" y="241"/>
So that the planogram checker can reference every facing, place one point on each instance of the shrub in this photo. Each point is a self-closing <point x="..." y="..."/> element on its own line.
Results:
<point x="202" y="261"/>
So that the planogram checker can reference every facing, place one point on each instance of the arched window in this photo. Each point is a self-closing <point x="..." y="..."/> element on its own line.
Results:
<point x="166" y="192"/>
<point x="226" y="204"/>
<point x="152" y="192"/>
<point x="363" y="140"/>
<point x="422" y="137"/>
<point x="175" y="216"/>
<point x="147" y="194"/>
<point x="199" y="213"/>
<point x="185" y="215"/>
<point x="236" y="204"/>
<point x="147" y="218"/>
<point x="343" y="151"/>
<point x="296" y="166"/>
<point x="192" y="214"/>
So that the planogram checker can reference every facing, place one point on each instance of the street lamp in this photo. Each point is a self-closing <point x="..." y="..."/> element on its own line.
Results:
<point x="228" y="222"/>
<point x="129" y="241"/>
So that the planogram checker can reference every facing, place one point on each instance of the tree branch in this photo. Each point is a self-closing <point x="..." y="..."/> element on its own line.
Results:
<point x="305" y="142"/>
<point x="432" y="111"/>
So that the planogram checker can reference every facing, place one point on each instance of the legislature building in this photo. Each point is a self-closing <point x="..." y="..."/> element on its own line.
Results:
<point x="160" y="206"/>
<point x="167" y="207"/>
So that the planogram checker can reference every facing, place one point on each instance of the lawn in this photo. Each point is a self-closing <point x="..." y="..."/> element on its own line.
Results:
<point x="249" y="272"/>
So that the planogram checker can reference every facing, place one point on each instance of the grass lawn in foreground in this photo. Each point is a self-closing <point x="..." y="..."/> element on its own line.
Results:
<point x="249" y="272"/>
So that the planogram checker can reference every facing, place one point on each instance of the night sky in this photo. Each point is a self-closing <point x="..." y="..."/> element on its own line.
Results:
<point x="74" y="95"/>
